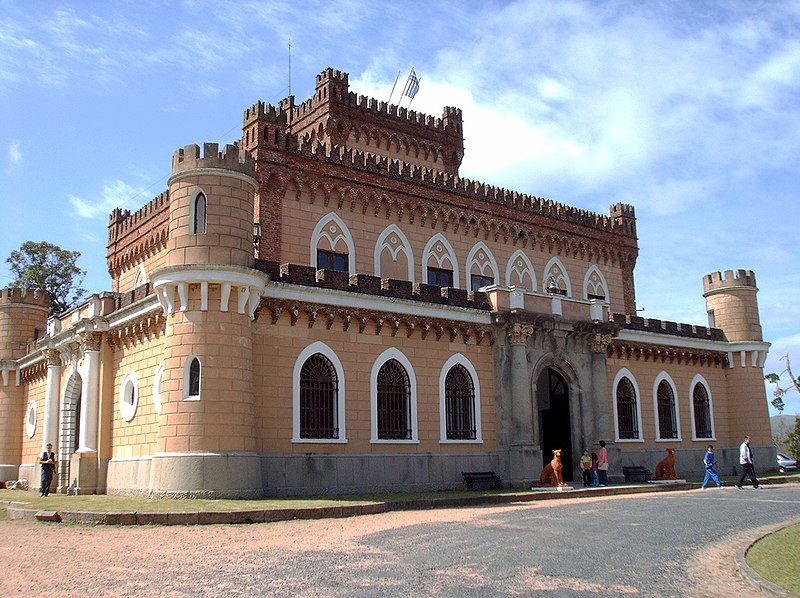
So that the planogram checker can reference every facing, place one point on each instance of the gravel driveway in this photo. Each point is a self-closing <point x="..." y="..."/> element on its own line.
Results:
<point x="675" y="543"/>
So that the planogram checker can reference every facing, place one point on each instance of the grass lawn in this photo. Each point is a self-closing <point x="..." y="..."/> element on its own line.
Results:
<point x="774" y="557"/>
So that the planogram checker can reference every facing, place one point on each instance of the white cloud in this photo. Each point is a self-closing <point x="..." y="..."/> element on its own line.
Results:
<point x="14" y="155"/>
<point x="114" y="195"/>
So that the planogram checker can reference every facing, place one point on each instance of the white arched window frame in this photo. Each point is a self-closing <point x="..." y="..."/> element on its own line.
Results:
<point x="439" y="249"/>
<point x="521" y="265"/>
<point x="330" y="354"/>
<point x="198" y="212"/>
<point x="395" y="242"/>
<point x="625" y="373"/>
<point x="141" y="277"/>
<point x="190" y="393"/>
<point x="397" y="355"/>
<point x="333" y="228"/>
<point x="555" y="270"/>
<point x="590" y="286"/>
<point x="665" y="377"/>
<point x="128" y="396"/>
<point x="459" y="359"/>
<point x="157" y="387"/>
<point x="487" y="265"/>
<point x="699" y="379"/>
<point x="30" y="419"/>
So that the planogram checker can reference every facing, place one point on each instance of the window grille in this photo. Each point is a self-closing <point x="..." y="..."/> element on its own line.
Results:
<point x="459" y="396"/>
<point x="665" y="399"/>
<point x="702" y="412"/>
<point x="319" y="395"/>
<point x="394" y="402"/>
<point x="627" y="417"/>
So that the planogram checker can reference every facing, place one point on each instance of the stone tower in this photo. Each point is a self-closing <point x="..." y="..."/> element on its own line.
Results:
<point x="732" y="306"/>
<point x="23" y="318"/>
<point x="209" y="293"/>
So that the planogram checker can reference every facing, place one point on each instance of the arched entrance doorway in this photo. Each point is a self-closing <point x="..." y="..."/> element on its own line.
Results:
<point x="70" y="428"/>
<point x="555" y="423"/>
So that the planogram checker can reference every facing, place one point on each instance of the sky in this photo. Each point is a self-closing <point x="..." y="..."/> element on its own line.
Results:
<point x="687" y="110"/>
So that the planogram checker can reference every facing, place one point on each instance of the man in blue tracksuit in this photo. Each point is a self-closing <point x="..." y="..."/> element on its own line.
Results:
<point x="711" y="468"/>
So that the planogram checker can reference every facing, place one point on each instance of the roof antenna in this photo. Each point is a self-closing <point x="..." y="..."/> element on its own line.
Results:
<point x="290" y="66"/>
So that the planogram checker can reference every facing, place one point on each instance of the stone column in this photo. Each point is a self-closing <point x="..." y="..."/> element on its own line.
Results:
<point x="90" y="392"/>
<point x="522" y="449"/>
<point x="597" y="411"/>
<point x="51" y="397"/>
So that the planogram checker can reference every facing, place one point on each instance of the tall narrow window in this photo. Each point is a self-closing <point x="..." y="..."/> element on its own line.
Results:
<point x="702" y="412"/>
<point x="394" y="402"/>
<point x="199" y="220"/>
<point x="319" y="393"/>
<point x="627" y="415"/>
<point x="194" y="378"/>
<point x="665" y="399"/>
<point x="460" y="404"/>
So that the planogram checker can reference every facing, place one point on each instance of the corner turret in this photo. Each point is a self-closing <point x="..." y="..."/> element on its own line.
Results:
<point x="732" y="305"/>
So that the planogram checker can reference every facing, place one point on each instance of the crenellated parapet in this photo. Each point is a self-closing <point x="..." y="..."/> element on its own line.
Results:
<point x="32" y="297"/>
<point x="120" y="221"/>
<point x="717" y="280"/>
<point x="231" y="158"/>
<point x="620" y="221"/>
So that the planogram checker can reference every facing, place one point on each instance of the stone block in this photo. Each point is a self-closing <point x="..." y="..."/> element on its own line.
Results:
<point x="427" y="292"/>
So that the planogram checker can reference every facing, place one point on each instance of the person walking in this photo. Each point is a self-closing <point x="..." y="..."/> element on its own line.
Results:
<point x="746" y="461"/>
<point x="710" y="461"/>
<point x="48" y="463"/>
<point x="602" y="464"/>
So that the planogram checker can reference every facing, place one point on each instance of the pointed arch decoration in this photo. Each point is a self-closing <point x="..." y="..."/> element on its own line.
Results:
<point x="520" y="272"/>
<point x="595" y="285"/>
<point x="555" y="272"/>
<point x="392" y="241"/>
<point x="439" y="253"/>
<point x="333" y="229"/>
<point x="481" y="267"/>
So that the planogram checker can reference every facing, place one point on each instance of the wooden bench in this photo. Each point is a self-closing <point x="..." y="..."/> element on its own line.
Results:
<point x="487" y="479"/>
<point x="636" y="473"/>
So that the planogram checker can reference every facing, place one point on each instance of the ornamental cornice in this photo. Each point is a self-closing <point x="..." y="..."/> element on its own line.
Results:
<point x="663" y="353"/>
<point x="147" y="328"/>
<point x="368" y="321"/>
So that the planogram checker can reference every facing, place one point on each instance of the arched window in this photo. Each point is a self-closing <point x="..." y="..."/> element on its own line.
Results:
<point x="332" y="246"/>
<point x="481" y="267"/>
<point x="594" y="285"/>
<point x="555" y="279"/>
<point x="439" y="264"/>
<point x="128" y="396"/>
<point x="393" y="402"/>
<point x="459" y="397"/>
<point x="191" y="379"/>
<point x="667" y="421"/>
<point x="519" y="271"/>
<point x="199" y="215"/>
<point x="701" y="406"/>
<point x="319" y="397"/>
<point x="394" y="257"/>
<point x="627" y="410"/>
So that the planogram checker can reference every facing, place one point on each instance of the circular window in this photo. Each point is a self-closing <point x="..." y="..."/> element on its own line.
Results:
<point x="128" y="397"/>
<point x="157" y="388"/>
<point x="30" y="419"/>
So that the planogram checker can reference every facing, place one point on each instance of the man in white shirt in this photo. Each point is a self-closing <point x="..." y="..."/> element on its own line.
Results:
<point x="746" y="461"/>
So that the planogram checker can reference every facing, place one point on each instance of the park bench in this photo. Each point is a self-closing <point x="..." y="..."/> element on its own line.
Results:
<point x="487" y="479"/>
<point x="636" y="473"/>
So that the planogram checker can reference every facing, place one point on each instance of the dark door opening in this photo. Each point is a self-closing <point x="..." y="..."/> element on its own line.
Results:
<point x="555" y="423"/>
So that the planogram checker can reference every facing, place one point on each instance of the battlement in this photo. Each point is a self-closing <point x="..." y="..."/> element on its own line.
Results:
<point x="334" y="75"/>
<point x="717" y="280"/>
<point x="262" y="111"/>
<point x="122" y="221"/>
<point x="477" y="190"/>
<point x="26" y="296"/>
<point x="231" y="158"/>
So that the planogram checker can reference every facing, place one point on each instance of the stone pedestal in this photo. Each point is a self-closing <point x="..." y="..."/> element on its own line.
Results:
<point x="206" y="475"/>
<point x="83" y="473"/>
<point x="522" y="468"/>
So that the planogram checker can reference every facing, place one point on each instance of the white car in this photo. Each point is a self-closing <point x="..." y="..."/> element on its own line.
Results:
<point x="786" y="463"/>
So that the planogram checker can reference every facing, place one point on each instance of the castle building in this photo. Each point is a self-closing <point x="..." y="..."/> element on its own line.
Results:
<point x="326" y="306"/>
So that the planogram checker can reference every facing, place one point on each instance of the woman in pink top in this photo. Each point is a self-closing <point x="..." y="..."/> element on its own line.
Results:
<point x="602" y="464"/>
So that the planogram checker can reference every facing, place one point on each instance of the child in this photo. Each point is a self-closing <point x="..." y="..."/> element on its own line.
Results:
<point x="586" y="468"/>
<point x="595" y="476"/>
<point x="710" y="462"/>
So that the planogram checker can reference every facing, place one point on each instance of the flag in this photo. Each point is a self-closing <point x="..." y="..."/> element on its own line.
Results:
<point x="412" y="85"/>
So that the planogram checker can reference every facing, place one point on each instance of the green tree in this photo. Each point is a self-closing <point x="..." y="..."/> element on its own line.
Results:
<point x="793" y="440"/>
<point x="782" y="389"/>
<point x="47" y="267"/>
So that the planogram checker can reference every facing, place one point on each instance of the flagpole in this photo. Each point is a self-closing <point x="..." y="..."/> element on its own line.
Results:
<point x="412" y="97"/>
<point x="393" y="86"/>
<point x="290" y="66"/>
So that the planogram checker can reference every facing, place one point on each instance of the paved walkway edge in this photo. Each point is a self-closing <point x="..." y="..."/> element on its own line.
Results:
<point x="272" y="515"/>
<point x="750" y="574"/>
